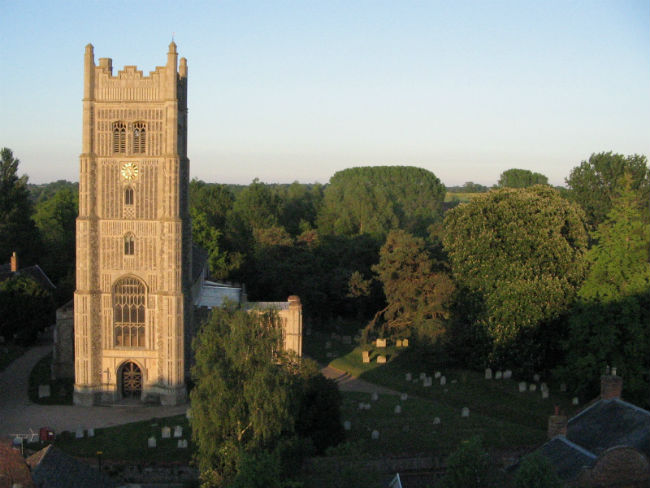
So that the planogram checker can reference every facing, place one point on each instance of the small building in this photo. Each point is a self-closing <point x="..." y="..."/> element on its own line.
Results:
<point x="13" y="469"/>
<point x="11" y="269"/>
<point x="607" y="444"/>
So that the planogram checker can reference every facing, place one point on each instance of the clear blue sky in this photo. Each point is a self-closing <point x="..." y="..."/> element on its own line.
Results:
<point x="297" y="90"/>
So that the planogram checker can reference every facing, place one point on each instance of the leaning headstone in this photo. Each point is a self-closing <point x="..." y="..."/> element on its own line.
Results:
<point x="43" y="391"/>
<point x="398" y="409"/>
<point x="347" y="425"/>
<point x="427" y="382"/>
<point x="532" y="387"/>
<point x="375" y="396"/>
<point x="182" y="443"/>
<point x="544" y="394"/>
<point x="346" y="340"/>
<point x="403" y="397"/>
<point x="522" y="386"/>
<point x="166" y="432"/>
<point x="536" y="378"/>
<point x="498" y="375"/>
<point x="398" y="343"/>
<point x="366" y="356"/>
<point x="507" y="374"/>
<point x="543" y="387"/>
<point x="79" y="433"/>
<point x="575" y="401"/>
<point x="443" y="381"/>
<point x="408" y="377"/>
<point x="381" y="359"/>
<point x="91" y="432"/>
<point x="488" y="373"/>
<point x="436" y="421"/>
<point x="381" y="342"/>
<point x="151" y="442"/>
<point x="374" y="435"/>
<point x="464" y="413"/>
<point x="437" y="375"/>
<point x="563" y="387"/>
<point x="405" y="343"/>
<point x="178" y="431"/>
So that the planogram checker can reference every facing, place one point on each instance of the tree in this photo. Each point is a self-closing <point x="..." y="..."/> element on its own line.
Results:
<point x="536" y="471"/>
<point x="517" y="256"/>
<point x="417" y="289"/>
<point x="241" y="401"/>
<point x="521" y="178"/>
<point x="609" y="323"/>
<point x="469" y="467"/>
<point x="17" y="229"/>
<point x="26" y="308"/>
<point x="374" y="200"/>
<point x="594" y="183"/>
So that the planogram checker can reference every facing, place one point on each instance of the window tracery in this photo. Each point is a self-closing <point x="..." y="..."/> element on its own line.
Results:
<point x="129" y="312"/>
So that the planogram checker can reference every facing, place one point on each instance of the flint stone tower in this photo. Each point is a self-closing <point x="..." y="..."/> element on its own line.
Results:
<point x="132" y="298"/>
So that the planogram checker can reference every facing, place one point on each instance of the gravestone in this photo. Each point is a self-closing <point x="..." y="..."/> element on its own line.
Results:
<point x="366" y="356"/>
<point x="427" y="382"/>
<point x="347" y="425"/>
<point x="398" y="343"/>
<point x="403" y="397"/>
<point x="498" y="375"/>
<point x="166" y="432"/>
<point x="544" y="394"/>
<point x="575" y="401"/>
<point x="381" y="342"/>
<point x="536" y="378"/>
<point x="563" y="387"/>
<point x="381" y="359"/>
<point x="522" y="386"/>
<point x="375" y="435"/>
<point x="151" y="442"/>
<point x="532" y="387"/>
<point x="188" y="413"/>
<point x="443" y="381"/>
<point x="398" y="409"/>
<point x="43" y="391"/>
<point x="91" y="432"/>
<point x="178" y="431"/>
<point x="543" y="387"/>
<point x="464" y="413"/>
<point x="375" y="396"/>
<point x="423" y="375"/>
<point x="362" y="406"/>
<point x="507" y="374"/>
<point x="488" y="374"/>
<point x="436" y="421"/>
<point x="453" y="382"/>
<point x="409" y="377"/>
<point x="79" y="433"/>
<point x="437" y="375"/>
<point x="182" y="444"/>
<point x="330" y="355"/>
<point x="405" y="343"/>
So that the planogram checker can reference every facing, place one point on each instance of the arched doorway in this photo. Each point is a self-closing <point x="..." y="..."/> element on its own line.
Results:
<point x="131" y="380"/>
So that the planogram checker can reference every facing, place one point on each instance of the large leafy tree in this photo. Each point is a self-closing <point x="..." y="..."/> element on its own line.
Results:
<point x="609" y="324"/>
<point x="374" y="200"/>
<point x="594" y="183"/>
<point x="25" y="309"/>
<point x="17" y="229"/>
<point x="521" y="178"/>
<point x="417" y="289"/>
<point x="517" y="256"/>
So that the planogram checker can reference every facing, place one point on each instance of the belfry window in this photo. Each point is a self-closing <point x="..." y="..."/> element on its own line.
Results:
<point x="129" y="313"/>
<point x="119" y="137"/>
<point x="128" y="196"/>
<point x="129" y="245"/>
<point x="139" y="137"/>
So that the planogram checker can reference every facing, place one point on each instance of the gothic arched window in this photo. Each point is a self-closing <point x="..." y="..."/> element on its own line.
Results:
<point x="139" y="137"/>
<point x="129" y="245"/>
<point x="119" y="137"/>
<point x="129" y="312"/>
<point x="128" y="196"/>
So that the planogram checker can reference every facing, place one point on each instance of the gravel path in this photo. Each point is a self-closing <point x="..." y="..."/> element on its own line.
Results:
<point x="18" y="414"/>
<point x="346" y="382"/>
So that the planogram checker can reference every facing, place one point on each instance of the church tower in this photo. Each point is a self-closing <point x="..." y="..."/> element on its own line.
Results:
<point x="132" y="297"/>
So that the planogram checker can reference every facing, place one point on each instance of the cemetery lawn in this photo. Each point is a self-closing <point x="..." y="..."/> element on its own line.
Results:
<point x="60" y="389"/>
<point x="128" y="442"/>
<point x="9" y="352"/>
<point x="504" y="417"/>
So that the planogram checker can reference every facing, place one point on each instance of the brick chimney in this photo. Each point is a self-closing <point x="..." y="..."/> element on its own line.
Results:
<point x="557" y="424"/>
<point x="611" y="386"/>
<point x="14" y="262"/>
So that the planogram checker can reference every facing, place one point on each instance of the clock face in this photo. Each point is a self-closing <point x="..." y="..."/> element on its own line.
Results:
<point x="129" y="171"/>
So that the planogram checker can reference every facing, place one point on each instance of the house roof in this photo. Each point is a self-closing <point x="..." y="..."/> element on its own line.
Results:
<point x="13" y="469"/>
<point x="52" y="468"/>
<point x="35" y="272"/>
<point x="568" y="458"/>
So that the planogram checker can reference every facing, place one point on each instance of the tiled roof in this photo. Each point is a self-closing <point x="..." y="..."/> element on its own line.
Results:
<point x="567" y="457"/>
<point x="52" y="468"/>
<point x="35" y="272"/>
<point x="13" y="469"/>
